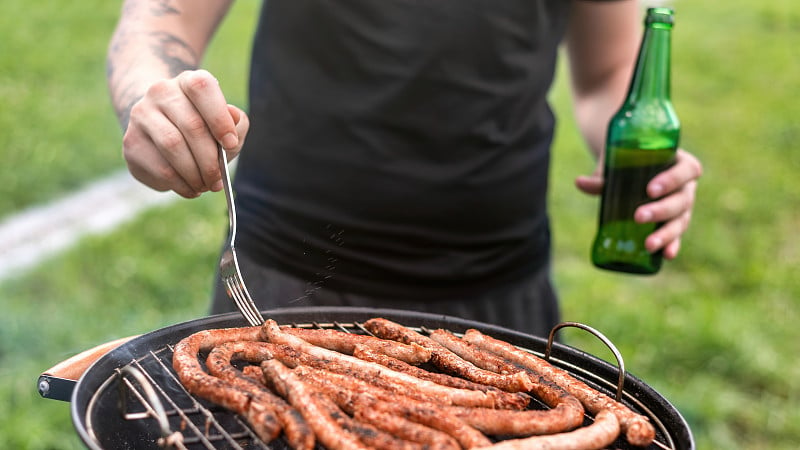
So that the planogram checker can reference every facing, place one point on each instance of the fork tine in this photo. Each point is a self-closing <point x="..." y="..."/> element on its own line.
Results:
<point x="245" y="295"/>
<point x="246" y="313"/>
<point x="251" y="305"/>
<point x="235" y="295"/>
<point x="230" y="289"/>
<point x="244" y="308"/>
<point x="237" y="275"/>
<point x="239" y="293"/>
<point x="254" y="314"/>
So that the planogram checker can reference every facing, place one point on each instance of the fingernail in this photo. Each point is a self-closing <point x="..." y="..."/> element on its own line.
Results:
<point x="216" y="187"/>
<point x="657" y="243"/>
<point x="644" y="216"/>
<point x="656" y="190"/>
<point x="229" y="141"/>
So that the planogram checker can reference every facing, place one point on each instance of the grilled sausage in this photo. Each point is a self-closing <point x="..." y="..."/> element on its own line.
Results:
<point x="428" y="415"/>
<point x="368" y="354"/>
<point x="343" y="342"/>
<point x="352" y="395"/>
<point x="498" y="422"/>
<point x="370" y="435"/>
<point x="262" y="417"/>
<point x="472" y="353"/>
<point x="293" y="358"/>
<point x="394" y="404"/>
<point x="510" y="423"/>
<point x="326" y="428"/>
<point x="598" y="435"/>
<point x="446" y="360"/>
<point x="638" y="429"/>
<point x="553" y="395"/>
<point x="299" y="435"/>
<point x="375" y="371"/>
<point x="254" y="373"/>
<point x="297" y="432"/>
<point x="430" y="438"/>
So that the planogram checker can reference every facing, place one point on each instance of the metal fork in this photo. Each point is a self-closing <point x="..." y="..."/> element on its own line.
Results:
<point x="229" y="264"/>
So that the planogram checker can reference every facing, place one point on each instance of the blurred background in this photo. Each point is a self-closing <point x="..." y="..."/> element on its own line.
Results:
<point x="716" y="332"/>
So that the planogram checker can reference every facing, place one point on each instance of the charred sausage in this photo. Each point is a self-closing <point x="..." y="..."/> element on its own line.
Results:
<point x="297" y="432"/>
<point x="638" y="429"/>
<point x="446" y="360"/>
<point x="262" y="417"/>
<point x="375" y="371"/>
<point x="343" y="342"/>
<point x="326" y="428"/>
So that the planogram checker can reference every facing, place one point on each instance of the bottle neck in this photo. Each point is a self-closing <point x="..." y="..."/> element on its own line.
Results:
<point x="651" y="79"/>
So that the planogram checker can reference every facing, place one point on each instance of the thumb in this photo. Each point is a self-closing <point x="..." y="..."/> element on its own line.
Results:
<point x="236" y="114"/>
<point x="589" y="184"/>
<point x="242" y="124"/>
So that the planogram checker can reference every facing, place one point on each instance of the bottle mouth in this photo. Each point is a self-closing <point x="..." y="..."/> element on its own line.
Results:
<point x="660" y="16"/>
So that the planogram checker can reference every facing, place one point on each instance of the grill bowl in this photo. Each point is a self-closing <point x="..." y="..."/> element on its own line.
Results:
<point x="101" y="424"/>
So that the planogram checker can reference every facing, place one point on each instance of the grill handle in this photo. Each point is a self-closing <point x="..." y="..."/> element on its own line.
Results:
<point x="599" y="335"/>
<point x="59" y="381"/>
<point x="153" y="407"/>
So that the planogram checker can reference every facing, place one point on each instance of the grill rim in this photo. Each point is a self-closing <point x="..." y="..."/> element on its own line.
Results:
<point x="638" y="394"/>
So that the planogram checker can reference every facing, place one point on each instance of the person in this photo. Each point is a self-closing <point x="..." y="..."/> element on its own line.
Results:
<point x="395" y="153"/>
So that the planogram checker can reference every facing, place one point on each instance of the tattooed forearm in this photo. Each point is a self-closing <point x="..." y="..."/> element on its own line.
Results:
<point x="174" y="52"/>
<point x="126" y="88"/>
<point x="156" y="40"/>
<point x="162" y="8"/>
<point x="124" y="113"/>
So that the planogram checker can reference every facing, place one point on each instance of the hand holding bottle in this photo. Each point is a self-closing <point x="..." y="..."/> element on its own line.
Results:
<point x="672" y="193"/>
<point x="641" y="163"/>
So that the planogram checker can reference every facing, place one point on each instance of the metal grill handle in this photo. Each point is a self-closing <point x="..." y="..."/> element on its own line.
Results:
<point x="153" y="406"/>
<point x="599" y="335"/>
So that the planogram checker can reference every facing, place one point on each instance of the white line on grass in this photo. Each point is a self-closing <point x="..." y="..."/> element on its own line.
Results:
<point x="33" y="235"/>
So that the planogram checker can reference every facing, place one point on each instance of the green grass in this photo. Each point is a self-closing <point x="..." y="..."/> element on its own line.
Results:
<point x="56" y="121"/>
<point x="715" y="332"/>
<point x="58" y="127"/>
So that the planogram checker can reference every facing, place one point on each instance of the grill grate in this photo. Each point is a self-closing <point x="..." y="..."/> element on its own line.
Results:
<point x="159" y="412"/>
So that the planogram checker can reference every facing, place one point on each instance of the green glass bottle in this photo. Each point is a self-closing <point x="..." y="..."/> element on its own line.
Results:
<point x="641" y="142"/>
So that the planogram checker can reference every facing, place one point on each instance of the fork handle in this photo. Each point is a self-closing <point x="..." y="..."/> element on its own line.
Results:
<point x="226" y="185"/>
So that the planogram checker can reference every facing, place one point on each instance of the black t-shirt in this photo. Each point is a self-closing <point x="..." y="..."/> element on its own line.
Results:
<point x="400" y="148"/>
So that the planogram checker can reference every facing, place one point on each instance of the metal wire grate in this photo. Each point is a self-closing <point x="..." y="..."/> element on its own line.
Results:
<point x="158" y="412"/>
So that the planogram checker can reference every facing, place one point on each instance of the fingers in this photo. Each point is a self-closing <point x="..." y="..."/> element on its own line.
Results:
<point x="179" y="136"/>
<point x="669" y="207"/>
<point x="667" y="237"/>
<point x="203" y="90"/>
<point x="150" y="168"/>
<point x="590" y="184"/>
<point x="678" y="186"/>
<point x="174" y="132"/>
<point x="671" y="250"/>
<point x="242" y="126"/>
<point x="687" y="168"/>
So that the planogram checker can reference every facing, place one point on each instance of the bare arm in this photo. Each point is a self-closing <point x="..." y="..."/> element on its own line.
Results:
<point x="156" y="39"/>
<point x="602" y="41"/>
<point x="173" y="114"/>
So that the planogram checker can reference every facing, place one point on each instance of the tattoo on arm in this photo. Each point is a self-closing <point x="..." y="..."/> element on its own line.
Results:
<point x="163" y="8"/>
<point x="174" y="52"/>
<point x="124" y="113"/>
<point x="133" y="46"/>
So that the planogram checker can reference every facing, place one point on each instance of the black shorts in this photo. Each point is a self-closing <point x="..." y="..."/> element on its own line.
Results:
<point x="529" y="305"/>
